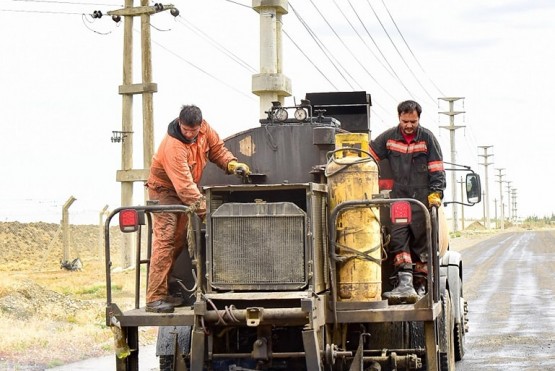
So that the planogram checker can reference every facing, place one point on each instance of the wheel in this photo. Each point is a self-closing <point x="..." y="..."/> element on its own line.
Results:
<point x="460" y="332"/>
<point x="166" y="363"/>
<point x="446" y="329"/>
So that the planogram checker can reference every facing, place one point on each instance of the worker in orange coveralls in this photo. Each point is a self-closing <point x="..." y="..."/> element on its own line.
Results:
<point x="175" y="173"/>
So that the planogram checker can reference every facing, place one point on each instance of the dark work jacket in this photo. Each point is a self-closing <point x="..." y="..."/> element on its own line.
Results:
<point x="417" y="167"/>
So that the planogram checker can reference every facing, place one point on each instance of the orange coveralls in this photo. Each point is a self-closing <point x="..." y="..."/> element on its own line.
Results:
<point x="175" y="173"/>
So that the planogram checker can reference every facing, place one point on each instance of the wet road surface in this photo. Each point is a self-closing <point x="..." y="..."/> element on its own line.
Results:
<point x="509" y="286"/>
<point x="509" y="283"/>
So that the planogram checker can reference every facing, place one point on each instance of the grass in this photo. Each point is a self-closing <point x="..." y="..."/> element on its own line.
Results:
<point x="50" y="316"/>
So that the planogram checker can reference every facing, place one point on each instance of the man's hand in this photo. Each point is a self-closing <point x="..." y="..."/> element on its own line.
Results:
<point x="434" y="199"/>
<point x="238" y="168"/>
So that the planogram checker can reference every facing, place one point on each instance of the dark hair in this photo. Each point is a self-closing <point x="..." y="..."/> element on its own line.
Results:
<point x="190" y="115"/>
<point x="409" y="106"/>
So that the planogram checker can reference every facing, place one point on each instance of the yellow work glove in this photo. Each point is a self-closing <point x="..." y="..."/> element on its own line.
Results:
<point x="434" y="199"/>
<point x="238" y="168"/>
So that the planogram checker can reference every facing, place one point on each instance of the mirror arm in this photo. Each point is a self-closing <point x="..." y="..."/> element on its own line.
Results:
<point x="457" y="202"/>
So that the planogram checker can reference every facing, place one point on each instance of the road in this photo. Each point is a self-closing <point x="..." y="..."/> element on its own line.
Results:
<point x="511" y="297"/>
<point x="509" y="287"/>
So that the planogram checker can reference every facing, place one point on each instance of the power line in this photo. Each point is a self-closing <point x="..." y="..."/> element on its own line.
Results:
<point x="350" y="51"/>
<point x="410" y="50"/>
<point x="308" y="58"/>
<point x="216" y="44"/>
<point x="321" y="45"/>
<point x="40" y="11"/>
<point x="202" y="70"/>
<point x="65" y="2"/>
<point x="399" y="53"/>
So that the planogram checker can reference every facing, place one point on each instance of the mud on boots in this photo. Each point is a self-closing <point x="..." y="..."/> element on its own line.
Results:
<point x="404" y="292"/>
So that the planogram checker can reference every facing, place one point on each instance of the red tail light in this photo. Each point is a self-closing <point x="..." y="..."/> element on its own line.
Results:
<point x="401" y="212"/>
<point x="128" y="220"/>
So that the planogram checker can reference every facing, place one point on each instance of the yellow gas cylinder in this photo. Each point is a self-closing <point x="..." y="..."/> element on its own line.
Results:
<point x="353" y="175"/>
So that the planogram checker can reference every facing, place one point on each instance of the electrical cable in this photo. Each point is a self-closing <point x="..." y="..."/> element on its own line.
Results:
<point x="322" y="47"/>
<point x="409" y="48"/>
<point x="218" y="45"/>
<point x="350" y="51"/>
<point x="399" y="53"/>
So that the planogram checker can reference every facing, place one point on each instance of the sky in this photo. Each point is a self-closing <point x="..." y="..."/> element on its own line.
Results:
<point x="60" y="70"/>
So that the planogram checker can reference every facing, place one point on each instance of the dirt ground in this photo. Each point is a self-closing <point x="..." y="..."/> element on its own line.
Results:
<point x="51" y="316"/>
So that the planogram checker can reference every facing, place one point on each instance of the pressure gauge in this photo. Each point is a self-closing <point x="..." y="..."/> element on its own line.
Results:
<point x="281" y="114"/>
<point x="300" y="114"/>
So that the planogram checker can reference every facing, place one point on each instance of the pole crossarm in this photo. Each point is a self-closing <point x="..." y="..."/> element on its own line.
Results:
<point x="141" y="10"/>
<point x="149" y="87"/>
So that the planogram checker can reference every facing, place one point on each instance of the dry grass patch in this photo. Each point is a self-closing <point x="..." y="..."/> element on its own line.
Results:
<point x="50" y="316"/>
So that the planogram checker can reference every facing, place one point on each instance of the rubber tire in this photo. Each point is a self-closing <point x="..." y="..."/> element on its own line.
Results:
<point x="447" y="341"/>
<point x="459" y="334"/>
<point x="166" y="363"/>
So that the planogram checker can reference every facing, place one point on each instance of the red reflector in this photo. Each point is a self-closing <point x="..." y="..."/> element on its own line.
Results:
<point x="385" y="184"/>
<point x="401" y="212"/>
<point x="128" y="220"/>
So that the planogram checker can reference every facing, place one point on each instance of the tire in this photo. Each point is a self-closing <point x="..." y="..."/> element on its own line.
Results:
<point x="459" y="333"/>
<point x="166" y="363"/>
<point x="446" y="328"/>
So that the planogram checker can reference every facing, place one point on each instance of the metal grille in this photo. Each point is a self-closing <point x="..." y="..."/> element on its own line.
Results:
<point x="258" y="247"/>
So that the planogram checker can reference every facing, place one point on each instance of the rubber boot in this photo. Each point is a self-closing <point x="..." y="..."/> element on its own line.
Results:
<point x="404" y="293"/>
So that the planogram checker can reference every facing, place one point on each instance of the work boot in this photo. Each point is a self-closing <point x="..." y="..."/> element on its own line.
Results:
<point x="159" y="306"/>
<point x="175" y="301"/>
<point x="404" y="293"/>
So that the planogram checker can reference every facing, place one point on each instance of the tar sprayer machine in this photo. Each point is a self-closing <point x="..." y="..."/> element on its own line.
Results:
<point x="287" y="270"/>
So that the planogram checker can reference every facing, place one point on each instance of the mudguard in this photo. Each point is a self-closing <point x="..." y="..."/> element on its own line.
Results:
<point x="452" y="278"/>
<point x="165" y="344"/>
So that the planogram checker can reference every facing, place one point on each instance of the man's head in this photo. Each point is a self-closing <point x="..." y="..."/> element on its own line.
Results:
<point x="409" y="116"/>
<point x="190" y="119"/>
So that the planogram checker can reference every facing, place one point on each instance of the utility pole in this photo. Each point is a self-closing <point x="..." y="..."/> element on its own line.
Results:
<point x="452" y="127"/>
<point x="501" y="207"/>
<point x="486" y="163"/>
<point x="101" y="216"/>
<point x="271" y="85"/>
<point x="462" y="183"/>
<point x="515" y="218"/>
<point x="508" y="199"/>
<point x="127" y="175"/>
<point x="495" y="208"/>
<point x="65" y="227"/>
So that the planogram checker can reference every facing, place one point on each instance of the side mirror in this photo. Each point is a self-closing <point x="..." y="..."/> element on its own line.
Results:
<point x="473" y="188"/>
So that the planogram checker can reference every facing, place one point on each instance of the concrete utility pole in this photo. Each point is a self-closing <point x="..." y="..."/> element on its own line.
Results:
<point x="452" y="127"/>
<point x="65" y="226"/>
<point x="127" y="175"/>
<point x="486" y="163"/>
<point x="501" y="207"/>
<point x="271" y="85"/>
<point x="101" y="216"/>
<point x="515" y="215"/>
<point x="508" y="199"/>
<point x="495" y="208"/>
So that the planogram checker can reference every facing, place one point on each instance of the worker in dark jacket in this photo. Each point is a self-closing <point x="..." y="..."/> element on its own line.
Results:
<point x="417" y="170"/>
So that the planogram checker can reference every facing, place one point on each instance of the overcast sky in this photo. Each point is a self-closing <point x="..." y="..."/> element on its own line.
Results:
<point x="60" y="71"/>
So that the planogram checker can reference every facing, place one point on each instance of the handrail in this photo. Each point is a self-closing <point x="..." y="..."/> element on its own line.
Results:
<point x="433" y="260"/>
<point x="148" y="209"/>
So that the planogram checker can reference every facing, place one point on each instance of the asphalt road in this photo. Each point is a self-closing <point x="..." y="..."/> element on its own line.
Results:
<point x="509" y="286"/>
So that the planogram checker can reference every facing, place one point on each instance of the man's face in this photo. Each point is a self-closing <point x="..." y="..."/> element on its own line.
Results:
<point x="188" y="132"/>
<point x="408" y="122"/>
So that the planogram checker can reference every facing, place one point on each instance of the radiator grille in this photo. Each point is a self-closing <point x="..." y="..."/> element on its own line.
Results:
<point x="258" y="247"/>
